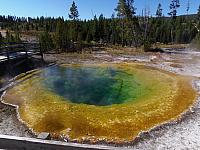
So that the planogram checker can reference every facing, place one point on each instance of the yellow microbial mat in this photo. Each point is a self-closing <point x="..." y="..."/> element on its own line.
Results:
<point x="110" y="102"/>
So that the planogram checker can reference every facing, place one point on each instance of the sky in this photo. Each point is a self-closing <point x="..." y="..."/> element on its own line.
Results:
<point x="87" y="8"/>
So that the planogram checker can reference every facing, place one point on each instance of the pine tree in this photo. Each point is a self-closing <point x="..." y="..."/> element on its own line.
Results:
<point x="132" y="23"/>
<point x="74" y="25"/>
<point x="17" y="37"/>
<point x="113" y="25"/>
<point x="173" y="13"/>
<point x="74" y="12"/>
<point x="130" y="9"/>
<point x="125" y="29"/>
<point x="9" y="37"/>
<point x="173" y="8"/>
<point x="101" y="27"/>
<point x="121" y="13"/>
<point x="59" y="35"/>
<point x="197" y="26"/>
<point x="188" y="7"/>
<point x="95" y="29"/>
<point x="121" y="9"/>
<point x="159" y="10"/>
<point x="198" y="13"/>
<point x="128" y="22"/>
<point x="46" y="42"/>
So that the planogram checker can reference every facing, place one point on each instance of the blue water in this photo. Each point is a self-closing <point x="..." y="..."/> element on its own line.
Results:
<point x="86" y="85"/>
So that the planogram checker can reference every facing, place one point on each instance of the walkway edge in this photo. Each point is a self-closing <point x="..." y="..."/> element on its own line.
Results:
<point x="13" y="142"/>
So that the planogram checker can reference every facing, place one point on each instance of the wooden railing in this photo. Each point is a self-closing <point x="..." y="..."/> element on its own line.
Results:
<point x="12" y="142"/>
<point x="11" y="51"/>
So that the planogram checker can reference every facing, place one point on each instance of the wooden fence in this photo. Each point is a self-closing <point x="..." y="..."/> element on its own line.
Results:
<point x="12" y="51"/>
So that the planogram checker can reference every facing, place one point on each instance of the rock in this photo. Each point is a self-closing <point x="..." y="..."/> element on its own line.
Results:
<point x="44" y="136"/>
<point x="153" y="58"/>
<point x="68" y="130"/>
<point x="66" y="138"/>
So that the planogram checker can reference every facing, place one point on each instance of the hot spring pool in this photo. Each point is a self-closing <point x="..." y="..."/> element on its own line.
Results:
<point x="110" y="102"/>
<point x="93" y="85"/>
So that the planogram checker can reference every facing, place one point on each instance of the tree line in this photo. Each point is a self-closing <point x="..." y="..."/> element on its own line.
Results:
<point x="124" y="28"/>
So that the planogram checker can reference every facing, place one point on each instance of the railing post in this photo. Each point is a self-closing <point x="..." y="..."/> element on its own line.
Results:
<point x="25" y="49"/>
<point x="8" y="54"/>
<point x="9" y="67"/>
<point x="41" y="53"/>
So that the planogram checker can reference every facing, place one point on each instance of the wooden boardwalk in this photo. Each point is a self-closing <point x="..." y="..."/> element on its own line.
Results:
<point x="19" y="51"/>
<point x="12" y="142"/>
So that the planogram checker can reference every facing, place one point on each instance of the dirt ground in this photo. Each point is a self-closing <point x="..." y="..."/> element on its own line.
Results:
<point x="10" y="125"/>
